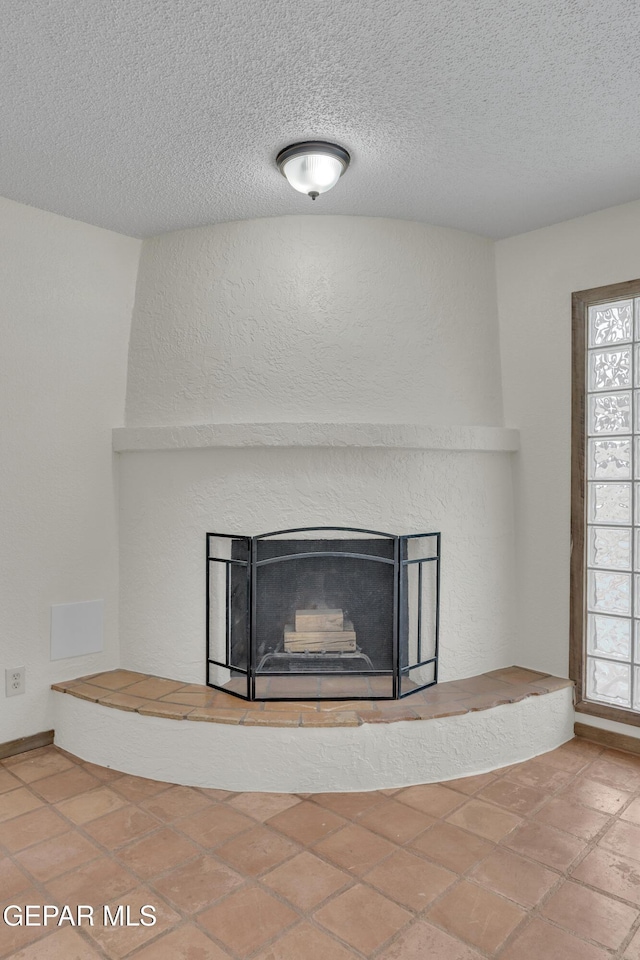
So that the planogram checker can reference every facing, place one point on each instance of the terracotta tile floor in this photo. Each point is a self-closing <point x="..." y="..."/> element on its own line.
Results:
<point x="539" y="861"/>
<point x="155" y="696"/>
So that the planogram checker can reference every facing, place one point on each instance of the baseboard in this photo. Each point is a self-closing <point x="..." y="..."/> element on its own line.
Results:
<point x="12" y="747"/>
<point x="607" y="738"/>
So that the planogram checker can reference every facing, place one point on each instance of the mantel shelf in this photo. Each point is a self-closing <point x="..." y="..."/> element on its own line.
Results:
<point x="399" y="435"/>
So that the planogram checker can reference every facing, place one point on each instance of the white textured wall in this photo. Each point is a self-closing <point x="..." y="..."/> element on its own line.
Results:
<point x="314" y="319"/>
<point x="317" y="319"/>
<point x="537" y="273"/>
<point x="65" y="308"/>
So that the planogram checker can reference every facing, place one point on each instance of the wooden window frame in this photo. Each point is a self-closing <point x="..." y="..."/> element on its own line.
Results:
<point x="581" y="301"/>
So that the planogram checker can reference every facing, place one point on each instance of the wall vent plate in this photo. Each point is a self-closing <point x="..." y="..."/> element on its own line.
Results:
<point x="77" y="629"/>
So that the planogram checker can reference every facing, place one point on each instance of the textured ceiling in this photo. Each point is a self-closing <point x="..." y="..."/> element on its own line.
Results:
<point x="494" y="116"/>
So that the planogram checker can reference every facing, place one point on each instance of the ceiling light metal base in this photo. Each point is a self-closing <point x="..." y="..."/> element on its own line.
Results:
<point x="313" y="146"/>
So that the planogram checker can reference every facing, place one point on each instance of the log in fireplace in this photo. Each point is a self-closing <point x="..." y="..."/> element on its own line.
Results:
<point x="322" y="613"/>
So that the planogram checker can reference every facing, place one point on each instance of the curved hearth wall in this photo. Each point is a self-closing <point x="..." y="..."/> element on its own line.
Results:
<point x="296" y="330"/>
<point x="328" y="319"/>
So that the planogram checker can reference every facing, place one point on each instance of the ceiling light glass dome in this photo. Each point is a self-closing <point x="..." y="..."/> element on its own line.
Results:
<point x="313" y="167"/>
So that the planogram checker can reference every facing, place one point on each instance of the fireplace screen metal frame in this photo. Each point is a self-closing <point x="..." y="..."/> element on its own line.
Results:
<point x="249" y="673"/>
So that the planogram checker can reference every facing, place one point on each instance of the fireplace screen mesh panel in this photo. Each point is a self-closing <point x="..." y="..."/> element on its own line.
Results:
<point x="419" y="589"/>
<point x="322" y="613"/>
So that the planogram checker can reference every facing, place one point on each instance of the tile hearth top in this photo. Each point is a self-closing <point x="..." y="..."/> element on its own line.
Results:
<point x="174" y="700"/>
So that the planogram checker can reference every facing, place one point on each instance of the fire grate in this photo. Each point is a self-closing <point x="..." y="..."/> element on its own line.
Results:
<point x="322" y="613"/>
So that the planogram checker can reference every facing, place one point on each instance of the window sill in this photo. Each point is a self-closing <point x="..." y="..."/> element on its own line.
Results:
<point x="606" y="712"/>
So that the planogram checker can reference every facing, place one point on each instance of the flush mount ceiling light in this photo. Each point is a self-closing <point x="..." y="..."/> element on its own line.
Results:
<point x="313" y="167"/>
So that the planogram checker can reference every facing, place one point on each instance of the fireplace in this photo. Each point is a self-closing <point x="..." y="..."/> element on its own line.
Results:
<point x="322" y="613"/>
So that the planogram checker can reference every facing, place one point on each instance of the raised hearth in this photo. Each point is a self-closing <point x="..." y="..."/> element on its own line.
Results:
<point x="159" y="697"/>
<point x="128" y="720"/>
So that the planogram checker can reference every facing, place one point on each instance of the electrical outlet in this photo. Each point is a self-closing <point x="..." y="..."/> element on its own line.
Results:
<point x="14" y="681"/>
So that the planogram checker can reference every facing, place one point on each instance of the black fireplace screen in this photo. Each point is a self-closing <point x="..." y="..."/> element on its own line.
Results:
<point x="322" y="613"/>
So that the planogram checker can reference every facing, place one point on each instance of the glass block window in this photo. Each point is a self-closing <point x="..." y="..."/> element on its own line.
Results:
<point x="612" y="536"/>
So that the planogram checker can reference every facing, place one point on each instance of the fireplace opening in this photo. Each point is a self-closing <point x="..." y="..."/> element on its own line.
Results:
<point x="322" y="613"/>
